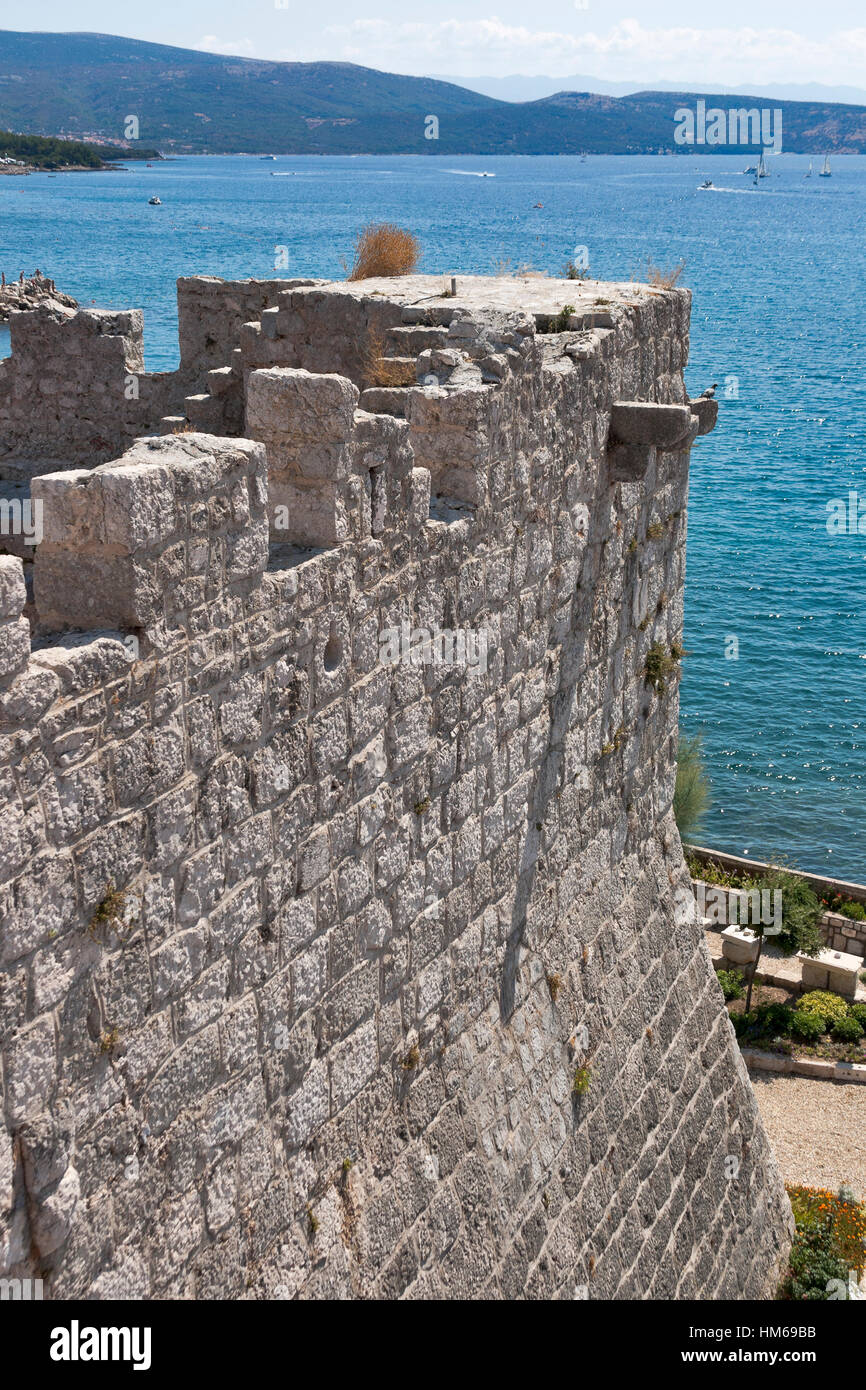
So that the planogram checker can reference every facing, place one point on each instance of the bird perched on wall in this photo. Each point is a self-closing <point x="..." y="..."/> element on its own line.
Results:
<point x="709" y="393"/>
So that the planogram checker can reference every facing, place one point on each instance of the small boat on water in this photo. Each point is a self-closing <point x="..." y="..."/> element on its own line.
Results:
<point x="762" y="169"/>
<point x="825" y="172"/>
<point x="707" y="183"/>
<point x="538" y="205"/>
<point x="751" y="169"/>
<point x="155" y="202"/>
<point x="267" y="156"/>
<point x="808" y="173"/>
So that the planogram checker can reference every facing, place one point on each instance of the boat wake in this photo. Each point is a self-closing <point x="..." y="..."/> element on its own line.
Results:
<point x="471" y="173"/>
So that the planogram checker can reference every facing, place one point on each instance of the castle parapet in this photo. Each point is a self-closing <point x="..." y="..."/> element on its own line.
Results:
<point x="211" y="313"/>
<point x="75" y="390"/>
<point x="334" y="472"/>
<point x="176" y="524"/>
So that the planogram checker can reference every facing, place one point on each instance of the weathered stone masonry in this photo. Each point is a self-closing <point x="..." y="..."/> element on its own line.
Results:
<point x="301" y="951"/>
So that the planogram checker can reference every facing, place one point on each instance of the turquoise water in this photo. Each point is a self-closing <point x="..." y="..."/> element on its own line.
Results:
<point x="778" y="278"/>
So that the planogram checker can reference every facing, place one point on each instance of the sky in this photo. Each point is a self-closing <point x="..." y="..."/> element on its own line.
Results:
<point x="732" y="44"/>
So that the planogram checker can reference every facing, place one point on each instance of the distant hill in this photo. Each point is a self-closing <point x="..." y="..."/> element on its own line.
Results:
<point x="518" y="87"/>
<point x="85" y="86"/>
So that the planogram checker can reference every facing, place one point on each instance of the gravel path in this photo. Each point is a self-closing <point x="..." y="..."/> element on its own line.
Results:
<point x="817" y="1129"/>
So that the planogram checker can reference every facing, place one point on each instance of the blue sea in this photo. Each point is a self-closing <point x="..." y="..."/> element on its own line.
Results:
<point x="775" y="676"/>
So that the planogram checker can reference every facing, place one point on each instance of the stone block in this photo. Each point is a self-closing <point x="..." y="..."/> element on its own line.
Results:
<point x="13" y="591"/>
<point x="646" y="423"/>
<point x="300" y="407"/>
<point x="834" y="970"/>
<point x="740" y="946"/>
<point x="116" y="534"/>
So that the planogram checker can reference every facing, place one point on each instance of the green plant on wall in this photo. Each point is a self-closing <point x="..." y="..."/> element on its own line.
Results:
<point x="662" y="666"/>
<point x="581" y="1083"/>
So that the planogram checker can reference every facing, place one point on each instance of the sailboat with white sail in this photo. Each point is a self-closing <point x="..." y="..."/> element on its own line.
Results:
<point x="808" y="174"/>
<point x="825" y="172"/>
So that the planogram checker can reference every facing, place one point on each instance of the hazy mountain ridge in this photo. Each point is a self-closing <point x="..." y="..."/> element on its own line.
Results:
<point x="518" y="87"/>
<point x="85" y="86"/>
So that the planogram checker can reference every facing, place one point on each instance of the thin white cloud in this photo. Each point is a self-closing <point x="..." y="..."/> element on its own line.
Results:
<point x="626" y="51"/>
<point x="236" y="48"/>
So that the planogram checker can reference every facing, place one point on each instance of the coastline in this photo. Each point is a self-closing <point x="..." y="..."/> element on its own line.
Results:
<point x="71" y="169"/>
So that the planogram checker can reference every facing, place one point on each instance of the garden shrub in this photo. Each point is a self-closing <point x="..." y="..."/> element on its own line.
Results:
<point x="834" y="902"/>
<point x="774" y="1018"/>
<point x="807" y="1026"/>
<point x="713" y="873"/>
<point x="847" y="1030"/>
<point x="839" y="1212"/>
<point x="743" y="1022"/>
<point x="731" y="982"/>
<point x="858" y="1011"/>
<point x="801" y="912"/>
<point x="830" y="1007"/>
<point x="814" y="1261"/>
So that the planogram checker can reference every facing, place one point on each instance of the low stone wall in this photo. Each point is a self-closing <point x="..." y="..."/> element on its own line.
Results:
<point x="840" y="932"/>
<point x="817" y="1068"/>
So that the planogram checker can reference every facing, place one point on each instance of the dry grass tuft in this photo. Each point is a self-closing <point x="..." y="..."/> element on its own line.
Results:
<point x="383" y="248"/>
<point x="380" y="370"/>
<point x="524" y="271"/>
<point x="662" y="279"/>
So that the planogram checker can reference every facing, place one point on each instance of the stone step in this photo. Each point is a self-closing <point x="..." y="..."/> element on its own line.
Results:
<point x="407" y="362"/>
<point x="414" y="339"/>
<point x="437" y="315"/>
<point x="204" y="411"/>
<point x="385" y="400"/>
<point x="221" y="379"/>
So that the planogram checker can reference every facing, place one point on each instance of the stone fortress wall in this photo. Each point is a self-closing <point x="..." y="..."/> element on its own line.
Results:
<point x="325" y="973"/>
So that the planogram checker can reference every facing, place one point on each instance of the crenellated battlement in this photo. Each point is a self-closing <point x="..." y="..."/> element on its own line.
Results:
<point x="152" y="541"/>
<point x="75" y="387"/>
<point x="336" y="820"/>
